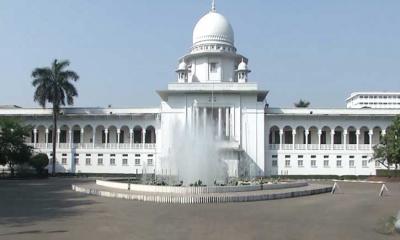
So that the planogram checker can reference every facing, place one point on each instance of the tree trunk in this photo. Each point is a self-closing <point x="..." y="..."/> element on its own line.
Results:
<point x="54" y="136"/>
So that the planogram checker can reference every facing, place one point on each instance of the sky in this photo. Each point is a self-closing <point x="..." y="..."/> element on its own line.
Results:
<point x="125" y="50"/>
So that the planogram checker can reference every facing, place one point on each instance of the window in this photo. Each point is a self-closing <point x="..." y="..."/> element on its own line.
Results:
<point x="150" y="155"/>
<point x="351" y="156"/>
<point x="125" y="162"/>
<point x="274" y="163"/>
<point x="64" y="161"/>
<point x="287" y="156"/>
<point x="300" y="156"/>
<point x="76" y="154"/>
<point x="99" y="161"/>
<point x="326" y="156"/>
<point x="313" y="156"/>
<point x="76" y="136"/>
<point x="339" y="163"/>
<point x="150" y="162"/>
<point x="213" y="67"/>
<point x="112" y="161"/>
<point x="63" y="136"/>
<point x="76" y="161"/>
<point x="137" y="155"/>
<point x="125" y="155"/>
<point x="88" y="155"/>
<point x="50" y="136"/>
<point x="338" y="156"/>
<point x="326" y="163"/>
<point x="112" y="155"/>
<point x="100" y="155"/>
<point x="313" y="163"/>
<point x="300" y="163"/>
<point x="137" y="161"/>
<point x="366" y="137"/>
<point x="88" y="161"/>
<point x="64" y="154"/>
<point x="287" y="163"/>
<point x="274" y="156"/>
<point x="351" y="163"/>
<point x="364" y="163"/>
<point x="352" y="137"/>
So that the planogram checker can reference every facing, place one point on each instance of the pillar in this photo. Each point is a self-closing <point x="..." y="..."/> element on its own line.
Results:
<point x="293" y="139"/>
<point x="358" y="138"/>
<point x="94" y="137"/>
<point x="47" y="137"/>
<point x="205" y="119"/>
<point x="370" y="133"/>
<point x="58" y="137"/>
<point x="227" y="123"/>
<point x="319" y="139"/>
<point x="106" y="137"/>
<point x="82" y="135"/>
<point x="332" y="138"/>
<point x="143" y="137"/>
<point x="130" y="137"/>
<point x="307" y="132"/>
<point x="345" y="139"/>
<point x="280" y="138"/>
<point x="70" y="138"/>
<point x="34" y="137"/>
<point x="118" y="137"/>
<point x="219" y="122"/>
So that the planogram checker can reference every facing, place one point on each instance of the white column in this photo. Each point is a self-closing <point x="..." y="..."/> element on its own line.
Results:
<point x="130" y="137"/>
<point x="58" y="137"/>
<point x="293" y="139"/>
<point x="228" y="123"/>
<point x="231" y="125"/>
<point x="345" y="139"/>
<point x="358" y="138"/>
<point x="118" y="137"/>
<point x="319" y="139"/>
<point x="205" y="119"/>
<point x="82" y="135"/>
<point x="106" y="137"/>
<point x="307" y="132"/>
<point x="94" y="138"/>
<point x="143" y="137"/>
<point x="370" y="133"/>
<point x="219" y="122"/>
<point x="34" y="137"/>
<point x="70" y="137"/>
<point x="332" y="138"/>
<point x="383" y="132"/>
<point x="280" y="138"/>
<point x="47" y="137"/>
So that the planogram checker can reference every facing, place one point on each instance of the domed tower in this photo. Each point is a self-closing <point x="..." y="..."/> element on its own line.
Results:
<point x="213" y="56"/>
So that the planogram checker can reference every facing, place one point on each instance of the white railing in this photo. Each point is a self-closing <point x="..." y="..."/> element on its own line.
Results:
<point x="338" y="147"/>
<point x="364" y="147"/>
<point x="312" y="147"/>
<point x="325" y="147"/>
<point x="273" y="146"/>
<point x="300" y="146"/>
<point x="351" y="147"/>
<point x="287" y="146"/>
<point x="94" y="146"/>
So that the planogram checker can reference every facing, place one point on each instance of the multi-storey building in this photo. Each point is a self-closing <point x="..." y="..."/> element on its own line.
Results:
<point x="213" y="89"/>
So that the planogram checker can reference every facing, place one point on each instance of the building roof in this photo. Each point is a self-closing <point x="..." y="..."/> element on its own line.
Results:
<point x="333" y="111"/>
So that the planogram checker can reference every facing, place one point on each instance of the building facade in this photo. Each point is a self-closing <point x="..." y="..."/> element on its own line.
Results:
<point x="213" y="89"/>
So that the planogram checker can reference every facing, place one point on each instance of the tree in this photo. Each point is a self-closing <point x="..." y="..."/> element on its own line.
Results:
<point x="387" y="152"/>
<point x="39" y="162"/>
<point x="54" y="85"/>
<point x="13" y="150"/>
<point x="302" y="104"/>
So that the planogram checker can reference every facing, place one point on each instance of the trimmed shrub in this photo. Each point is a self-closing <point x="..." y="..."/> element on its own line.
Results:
<point x="39" y="163"/>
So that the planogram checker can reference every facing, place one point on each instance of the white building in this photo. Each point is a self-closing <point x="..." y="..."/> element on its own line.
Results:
<point x="213" y="88"/>
<point x="374" y="100"/>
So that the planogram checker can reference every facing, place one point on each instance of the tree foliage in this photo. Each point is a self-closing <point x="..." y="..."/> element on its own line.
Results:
<point x="302" y="104"/>
<point x="13" y="150"/>
<point x="387" y="152"/>
<point x="54" y="85"/>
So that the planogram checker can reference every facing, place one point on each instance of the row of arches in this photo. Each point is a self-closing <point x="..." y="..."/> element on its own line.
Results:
<point x="325" y="135"/>
<point x="96" y="135"/>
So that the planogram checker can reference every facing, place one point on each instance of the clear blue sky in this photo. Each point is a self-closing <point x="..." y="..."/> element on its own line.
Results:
<point x="125" y="50"/>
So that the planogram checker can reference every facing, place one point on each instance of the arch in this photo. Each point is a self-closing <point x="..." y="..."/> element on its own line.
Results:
<point x="112" y="134"/>
<point x="364" y="135"/>
<point x="287" y="135"/>
<point x="326" y="135"/>
<point x="76" y="134"/>
<point x="150" y="136"/>
<point x="64" y="133"/>
<point x="137" y="134"/>
<point x="376" y="135"/>
<point x="312" y="135"/>
<point x="124" y="135"/>
<point x="100" y="135"/>
<point x="338" y="135"/>
<point x="300" y="135"/>
<point x="351" y="137"/>
<point x="274" y="135"/>
<point x="40" y="134"/>
<point x="88" y="134"/>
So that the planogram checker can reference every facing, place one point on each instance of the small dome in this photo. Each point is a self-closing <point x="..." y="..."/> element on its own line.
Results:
<point x="182" y="66"/>
<point x="242" y="66"/>
<point x="213" y="27"/>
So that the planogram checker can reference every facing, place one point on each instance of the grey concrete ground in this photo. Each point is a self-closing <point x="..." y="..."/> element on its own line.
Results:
<point x="48" y="209"/>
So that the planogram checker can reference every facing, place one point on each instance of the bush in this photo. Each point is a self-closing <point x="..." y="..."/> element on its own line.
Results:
<point x="387" y="173"/>
<point x="39" y="162"/>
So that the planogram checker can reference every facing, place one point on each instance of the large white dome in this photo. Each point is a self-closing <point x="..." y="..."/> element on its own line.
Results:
<point x="214" y="28"/>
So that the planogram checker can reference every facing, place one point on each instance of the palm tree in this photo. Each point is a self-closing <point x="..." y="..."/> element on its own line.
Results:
<point x="302" y="104"/>
<point x="53" y="85"/>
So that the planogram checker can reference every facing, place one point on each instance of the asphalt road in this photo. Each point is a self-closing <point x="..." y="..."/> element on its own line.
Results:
<point x="48" y="209"/>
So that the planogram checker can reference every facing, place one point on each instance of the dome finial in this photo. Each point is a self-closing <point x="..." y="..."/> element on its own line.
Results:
<point x="213" y="6"/>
